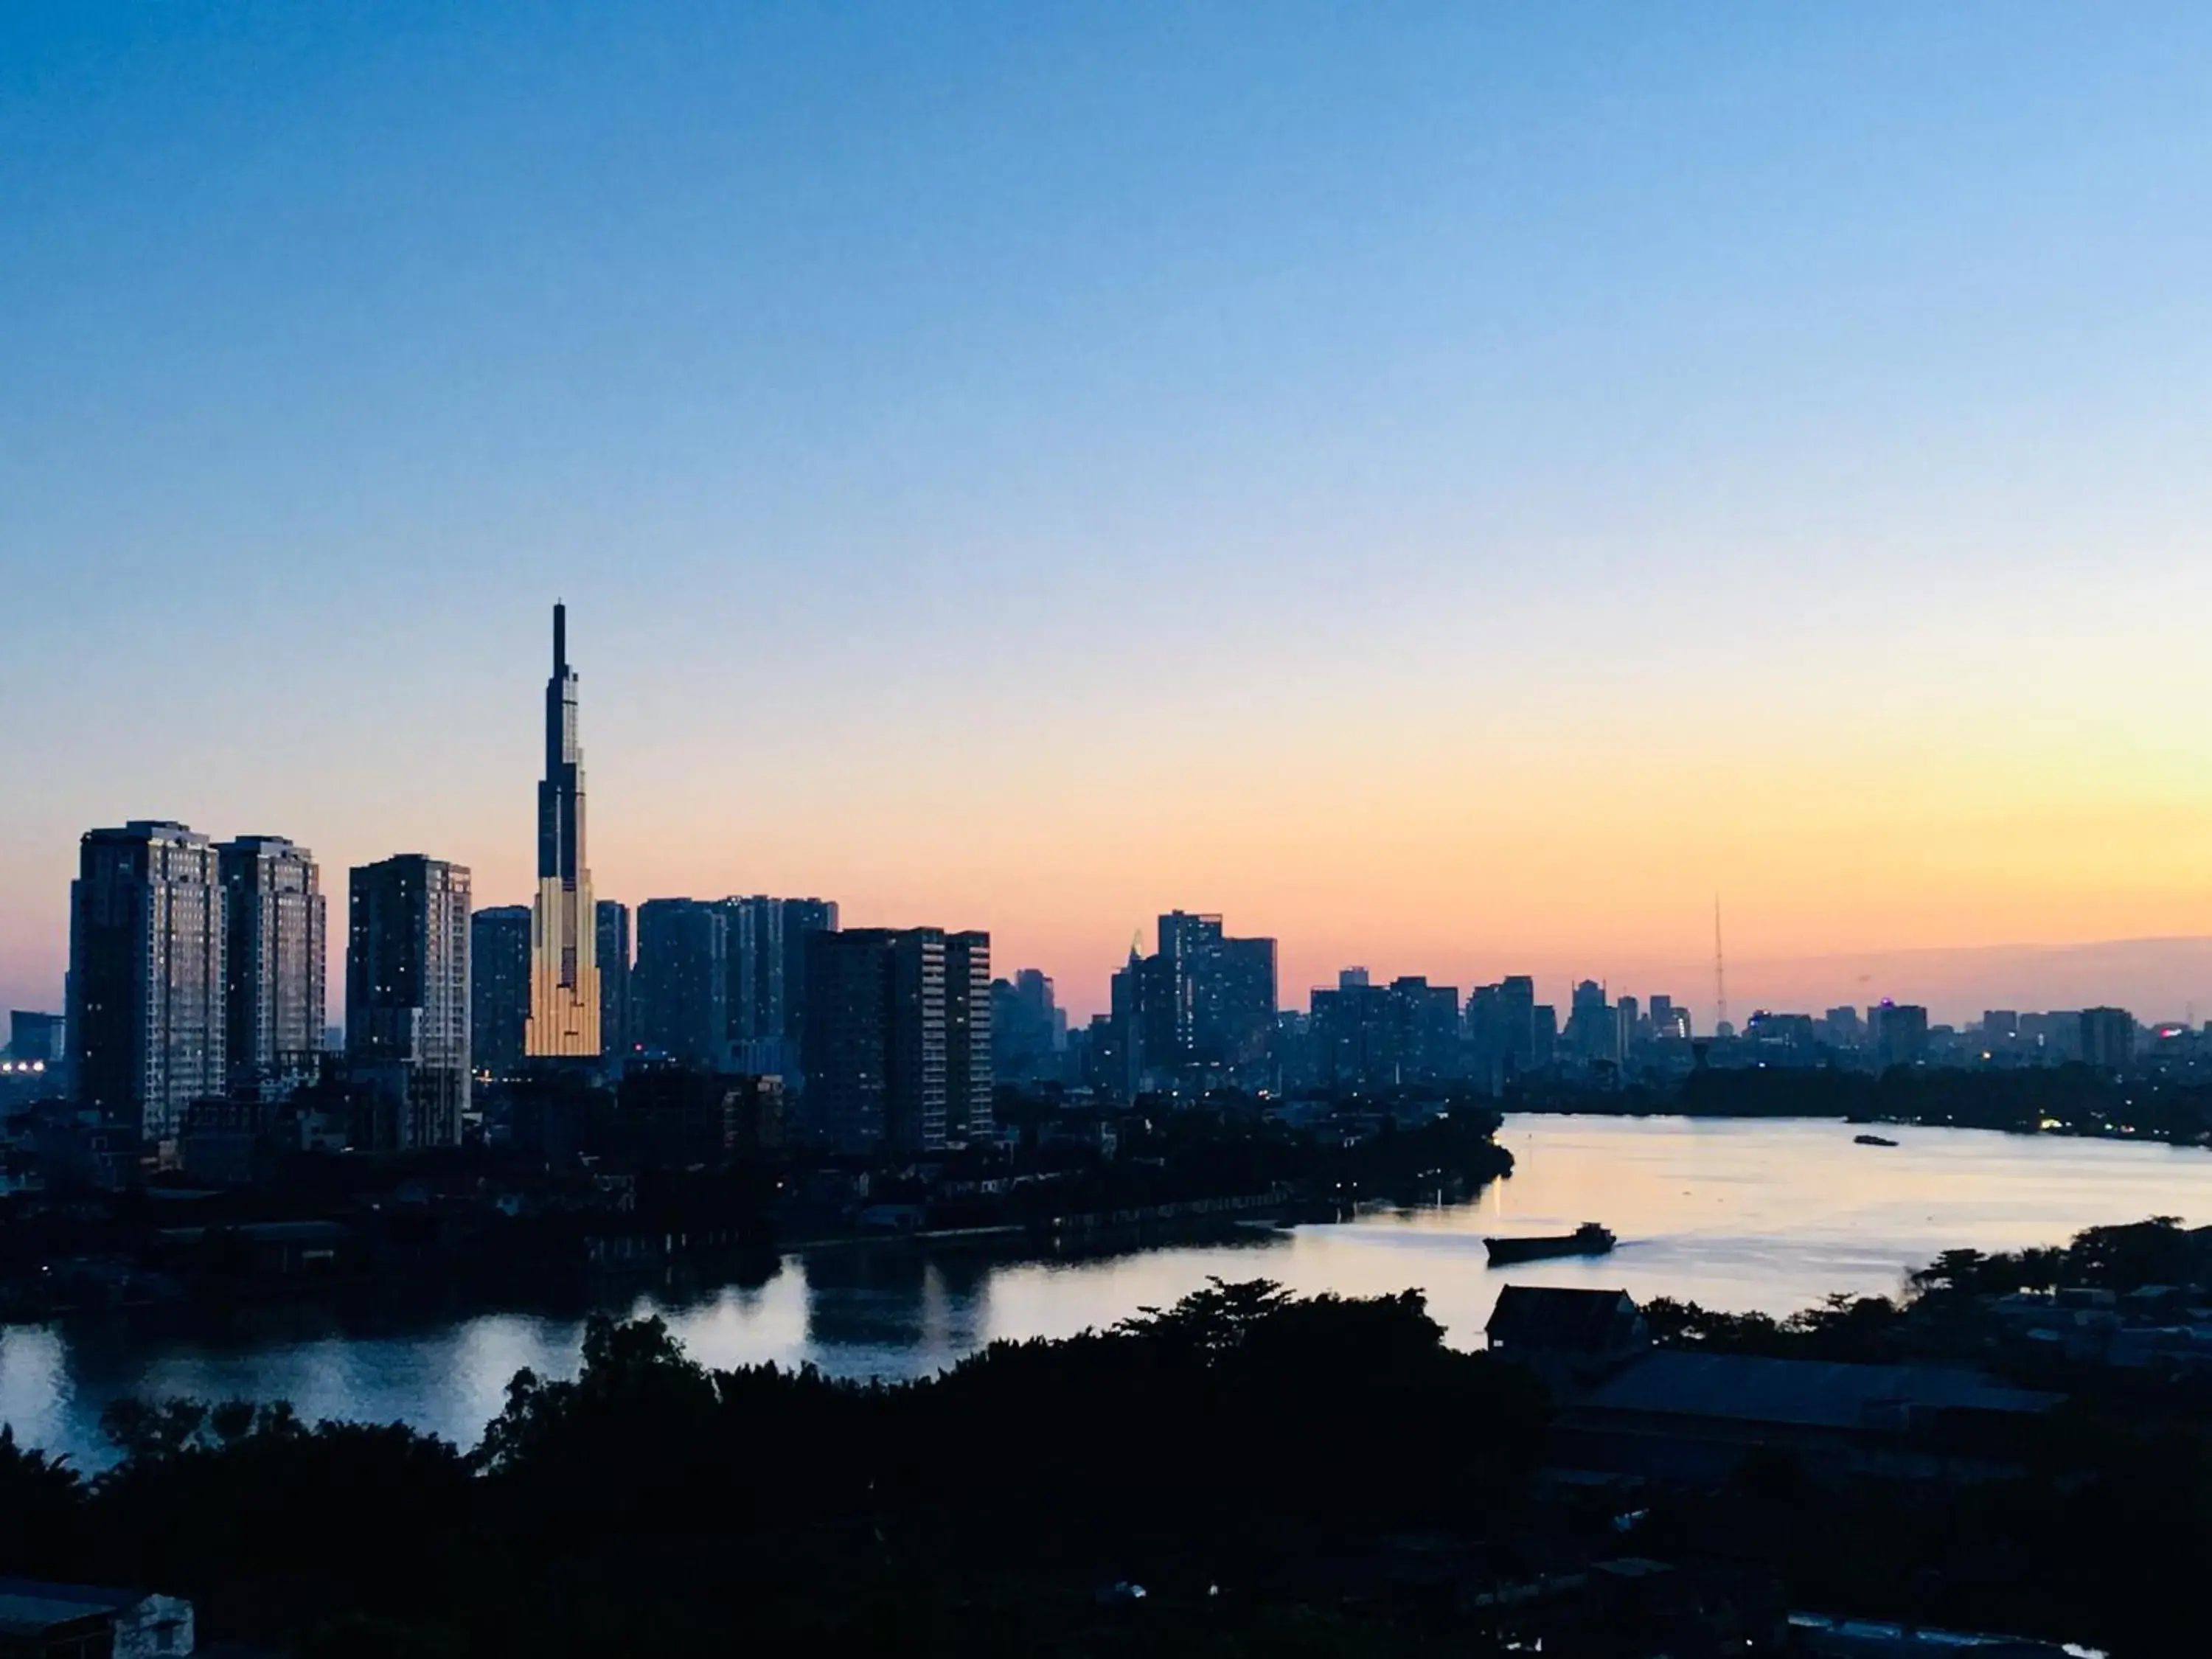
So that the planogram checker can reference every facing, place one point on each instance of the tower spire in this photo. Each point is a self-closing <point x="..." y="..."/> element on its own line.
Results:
<point x="1720" y="971"/>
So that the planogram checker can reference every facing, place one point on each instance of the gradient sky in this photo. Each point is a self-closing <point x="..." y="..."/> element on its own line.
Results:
<point x="1454" y="487"/>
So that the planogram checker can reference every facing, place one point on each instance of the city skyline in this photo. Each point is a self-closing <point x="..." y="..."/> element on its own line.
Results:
<point x="1956" y="984"/>
<point x="1453" y="493"/>
<point x="562" y="927"/>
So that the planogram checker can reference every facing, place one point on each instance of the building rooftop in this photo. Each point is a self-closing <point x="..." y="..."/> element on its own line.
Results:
<point x="1544" y="1316"/>
<point x="1806" y="1392"/>
<point x="30" y="1606"/>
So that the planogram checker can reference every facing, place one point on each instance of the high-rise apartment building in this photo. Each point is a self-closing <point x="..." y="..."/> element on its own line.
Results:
<point x="1427" y="1018"/>
<point x="753" y="977"/>
<point x="1900" y="1034"/>
<point x="1119" y="1062"/>
<point x="613" y="953"/>
<point x="564" y="975"/>
<point x="1029" y="1029"/>
<point x="146" y="1016"/>
<point x="801" y="917"/>
<point x="679" y="988"/>
<point x="1209" y="999"/>
<point x="38" y="1037"/>
<point x="969" y="1073"/>
<point x="1593" y="1026"/>
<point x="499" y="987"/>
<point x="1501" y="1030"/>
<point x="275" y="961"/>
<point x="2108" y="1038"/>
<point x="407" y="997"/>
<point x="877" y="1035"/>
<point x="1354" y="1035"/>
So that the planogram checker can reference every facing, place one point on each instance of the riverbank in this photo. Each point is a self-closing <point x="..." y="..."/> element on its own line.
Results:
<point x="1746" y="1216"/>
<point x="2072" y="1100"/>
<point x="843" y="1519"/>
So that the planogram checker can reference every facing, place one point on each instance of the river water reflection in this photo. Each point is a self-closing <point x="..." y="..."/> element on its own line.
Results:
<point x="1745" y="1215"/>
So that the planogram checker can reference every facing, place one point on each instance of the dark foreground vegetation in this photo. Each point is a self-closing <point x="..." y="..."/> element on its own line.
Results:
<point x="1280" y="1476"/>
<point x="1209" y="1453"/>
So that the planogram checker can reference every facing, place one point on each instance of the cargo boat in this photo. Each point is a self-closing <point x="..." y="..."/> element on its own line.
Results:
<point x="1589" y="1239"/>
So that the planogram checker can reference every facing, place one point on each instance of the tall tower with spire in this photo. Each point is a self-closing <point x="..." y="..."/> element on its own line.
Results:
<point x="564" y="973"/>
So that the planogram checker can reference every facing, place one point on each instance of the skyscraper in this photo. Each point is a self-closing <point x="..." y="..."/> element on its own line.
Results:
<point x="1594" y="1026"/>
<point x="1900" y="1034"/>
<point x="1356" y="1035"/>
<point x="1121" y="1064"/>
<point x="499" y="987"/>
<point x="274" y="961"/>
<point x="564" y="975"/>
<point x="877" y="1036"/>
<point x="801" y="916"/>
<point x="969" y="1073"/>
<point x="613" y="963"/>
<point x="407" y="997"/>
<point x="1209" y="999"/>
<point x="754" y="978"/>
<point x="680" y="992"/>
<point x="2108" y="1038"/>
<point x="1426" y="1019"/>
<point x="1029" y="1030"/>
<point x="146" y="1018"/>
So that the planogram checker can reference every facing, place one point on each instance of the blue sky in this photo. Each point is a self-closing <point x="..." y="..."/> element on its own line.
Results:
<point x="1449" y="484"/>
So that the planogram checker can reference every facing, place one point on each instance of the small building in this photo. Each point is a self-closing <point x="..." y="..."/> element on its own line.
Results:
<point x="1819" y="1637"/>
<point x="39" y="1620"/>
<point x="1566" y="1336"/>
<point x="265" y="1249"/>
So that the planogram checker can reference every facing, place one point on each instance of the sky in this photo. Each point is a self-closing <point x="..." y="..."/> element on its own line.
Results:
<point x="1456" y="487"/>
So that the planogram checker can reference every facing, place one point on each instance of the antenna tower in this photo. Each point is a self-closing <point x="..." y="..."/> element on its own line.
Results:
<point x="1720" y="971"/>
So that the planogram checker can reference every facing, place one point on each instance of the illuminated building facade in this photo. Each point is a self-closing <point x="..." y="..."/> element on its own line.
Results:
<point x="564" y="974"/>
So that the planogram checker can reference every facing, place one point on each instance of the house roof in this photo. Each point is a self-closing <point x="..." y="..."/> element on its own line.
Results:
<point x="1806" y="1392"/>
<point x="31" y="1606"/>
<point x="1542" y="1316"/>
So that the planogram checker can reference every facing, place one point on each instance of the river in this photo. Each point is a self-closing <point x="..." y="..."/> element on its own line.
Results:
<point x="1760" y="1215"/>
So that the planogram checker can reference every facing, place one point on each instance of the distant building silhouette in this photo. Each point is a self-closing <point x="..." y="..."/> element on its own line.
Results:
<point x="499" y="987"/>
<point x="1593" y="1026"/>
<point x="147" y="1026"/>
<point x="613" y="954"/>
<point x="1118" y="1053"/>
<point x="1900" y="1034"/>
<point x="1204" y="1004"/>
<point x="802" y="917"/>
<point x="1029" y="1029"/>
<point x="407" y="998"/>
<point x="275" y="955"/>
<point x="1369" y="1037"/>
<point x="1427" y="1020"/>
<point x="2108" y="1038"/>
<point x="1501" y="1030"/>
<point x="1353" y="1035"/>
<point x="679" y="988"/>
<point x="37" y="1037"/>
<point x="753" y="983"/>
<point x="1544" y="1025"/>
